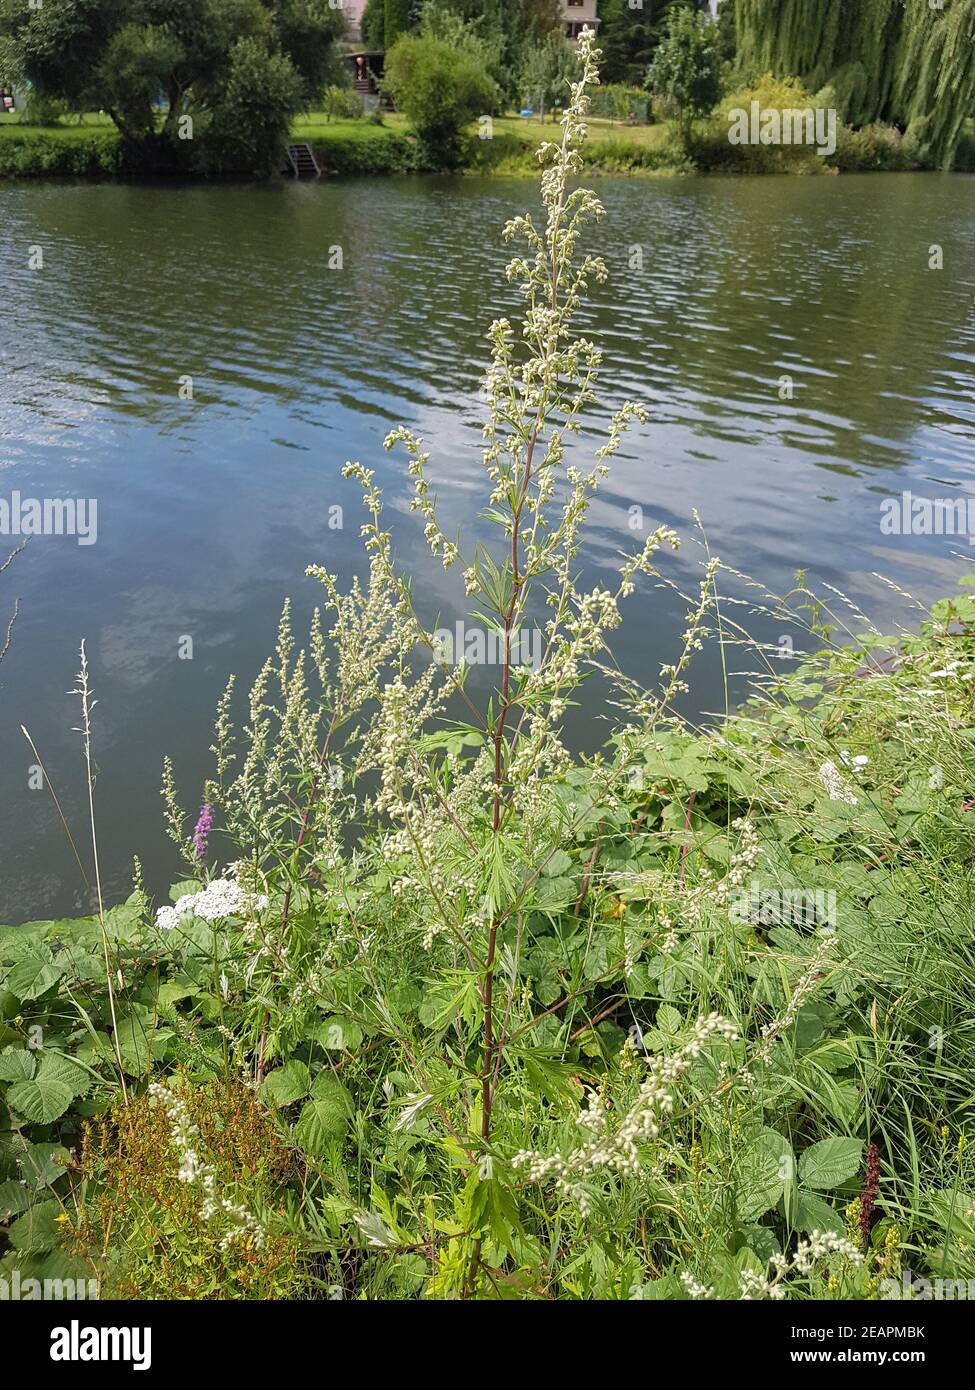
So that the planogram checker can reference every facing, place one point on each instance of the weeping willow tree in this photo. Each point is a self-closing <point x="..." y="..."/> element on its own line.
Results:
<point x="934" y="87"/>
<point x="907" y="61"/>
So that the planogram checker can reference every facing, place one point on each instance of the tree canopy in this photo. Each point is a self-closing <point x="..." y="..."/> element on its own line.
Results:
<point x="210" y="84"/>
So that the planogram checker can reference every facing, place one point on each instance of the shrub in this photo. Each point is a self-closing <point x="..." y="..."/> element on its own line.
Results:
<point x="440" y="89"/>
<point x="343" y="104"/>
<point x="249" y="113"/>
<point x="713" y="149"/>
<point x="875" y="147"/>
<point x="29" y="155"/>
<point x="44" y="110"/>
<point x="621" y="103"/>
<point x="343" y="154"/>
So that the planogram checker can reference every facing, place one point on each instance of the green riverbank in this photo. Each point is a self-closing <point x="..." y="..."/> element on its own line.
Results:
<point x="93" y="149"/>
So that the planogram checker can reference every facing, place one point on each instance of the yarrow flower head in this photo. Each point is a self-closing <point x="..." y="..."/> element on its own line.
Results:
<point x="219" y="899"/>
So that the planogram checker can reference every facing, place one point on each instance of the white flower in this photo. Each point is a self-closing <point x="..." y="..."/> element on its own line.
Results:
<point x="837" y="788"/>
<point x="219" y="899"/>
<point x="858" y="762"/>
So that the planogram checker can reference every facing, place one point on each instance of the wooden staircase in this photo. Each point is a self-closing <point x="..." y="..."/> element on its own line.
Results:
<point x="303" y="163"/>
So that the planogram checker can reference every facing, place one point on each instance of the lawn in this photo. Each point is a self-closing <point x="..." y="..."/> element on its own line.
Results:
<point x="315" y="125"/>
<point x="91" y="124"/>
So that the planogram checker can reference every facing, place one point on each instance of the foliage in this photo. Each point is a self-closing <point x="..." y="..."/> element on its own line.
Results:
<point x="372" y="25"/>
<point x="343" y="104"/>
<point x="145" y="1198"/>
<point x="686" y="70"/>
<point x="622" y="104"/>
<point x="249" y="113"/>
<point x="628" y="37"/>
<point x="363" y="149"/>
<point x="900" y="61"/>
<point x="397" y="19"/>
<point x="440" y="89"/>
<point x="232" y="73"/>
<point x="876" y="147"/>
<point x="689" y="1017"/>
<point x="712" y="148"/>
<point x="505" y="32"/>
<point x="547" y="71"/>
<point x="483" y="39"/>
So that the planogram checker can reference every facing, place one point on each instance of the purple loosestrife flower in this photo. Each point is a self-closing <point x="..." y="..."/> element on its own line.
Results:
<point x="202" y="831"/>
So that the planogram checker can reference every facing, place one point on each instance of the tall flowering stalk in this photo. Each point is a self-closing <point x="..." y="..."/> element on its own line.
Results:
<point x="338" y="743"/>
<point x="539" y="383"/>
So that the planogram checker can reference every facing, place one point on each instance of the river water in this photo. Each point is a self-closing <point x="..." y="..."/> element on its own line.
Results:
<point x="209" y="508"/>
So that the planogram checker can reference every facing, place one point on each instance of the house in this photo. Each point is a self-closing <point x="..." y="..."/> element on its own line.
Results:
<point x="352" y="10"/>
<point x="578" y="15"/>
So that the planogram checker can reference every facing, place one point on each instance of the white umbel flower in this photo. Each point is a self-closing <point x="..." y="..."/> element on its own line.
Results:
<point x="219" y="899"/>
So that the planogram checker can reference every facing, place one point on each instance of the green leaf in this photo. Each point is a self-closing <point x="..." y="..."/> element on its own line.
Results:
<point x="319" y="1124"/>
<point x="57" y="1066"/>
<point x="340" y="1034"/>
<point x="43" y="1164"/>
<point x="36" y="1230"/>
<point x="669" y="1020"/>
<point x="815" y="1214"/>
<point x="13" y="1199"/>
<point x="40" y="1101"/>
<point x="554" y="894"/>
<point x="133" y="1040"/>
<point x="830" y="1162"/>
<point x="765" y="1171"/>
<point x="289" y="1083"/>
<point x="330" y="1088"/>
<point x="17" y="1066"/>
<point x="31" y="978"/>
<point x="184" y="888"/>
<point x="172" y="991"/>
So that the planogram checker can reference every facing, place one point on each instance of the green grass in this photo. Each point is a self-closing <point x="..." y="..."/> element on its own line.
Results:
<point x="315" y="126"/>
<point x="92" y="124"/>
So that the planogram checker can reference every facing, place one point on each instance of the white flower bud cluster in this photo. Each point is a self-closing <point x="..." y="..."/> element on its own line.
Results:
<point x="837" y="787"/>
<point x="820" y="1246"/>
<point x="619" y="1150"/>
<point x="193" y="1171"/>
